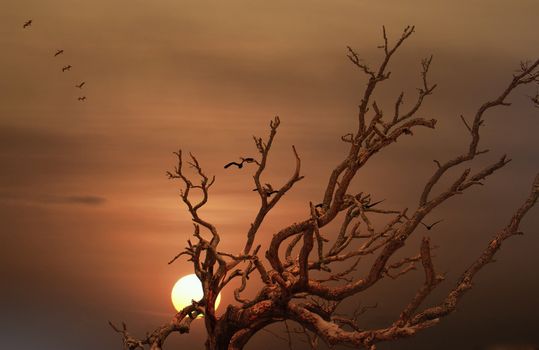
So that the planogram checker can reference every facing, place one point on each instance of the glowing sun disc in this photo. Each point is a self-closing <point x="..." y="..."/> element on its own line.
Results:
<point x="186" y="289"/>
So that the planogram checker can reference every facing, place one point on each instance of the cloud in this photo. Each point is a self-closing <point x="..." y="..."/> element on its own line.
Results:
<point x="75" y="199"/>
<point x="50" y="199"/>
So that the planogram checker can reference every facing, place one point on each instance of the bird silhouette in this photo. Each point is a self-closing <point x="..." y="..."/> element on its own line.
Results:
<point x="82" y="98"/>
<point x="429" y="227"/>
<point x="27" y="23"/>
<point x="58" y="52"/>
<point x="80" y="85"/>
<point x="240" y="165"/>
<point x="370" y="205"/>
<point x="268" y="189"/>
<point x="268" y="192"/>
<point x="68" y="67"/>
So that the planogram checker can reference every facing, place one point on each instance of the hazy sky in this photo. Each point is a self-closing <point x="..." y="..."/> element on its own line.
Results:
<point x="88" y="219"/>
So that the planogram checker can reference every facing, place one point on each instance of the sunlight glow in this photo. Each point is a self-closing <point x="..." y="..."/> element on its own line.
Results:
<point x="186" y="289"/>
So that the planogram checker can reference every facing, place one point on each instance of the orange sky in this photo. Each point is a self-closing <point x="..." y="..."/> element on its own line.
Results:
<point x="88" y="219"/>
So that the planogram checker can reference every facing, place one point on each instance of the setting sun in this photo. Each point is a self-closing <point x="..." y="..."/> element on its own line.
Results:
<point x="186" y="289"/>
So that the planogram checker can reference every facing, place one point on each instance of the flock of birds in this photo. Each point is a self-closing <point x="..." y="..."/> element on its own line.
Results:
<point x="65" y="68"/>
<point x="270" y="191"/>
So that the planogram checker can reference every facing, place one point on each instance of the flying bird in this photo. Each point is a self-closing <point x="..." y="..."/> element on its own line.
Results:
<point x="82" y="99"/>
<point x="240" y="165"/>
<point x="80" y="85"/>
<point x="58" y="52"/>
<point x="429" y="227"/>
<point x="268" y="189"/>
<point x="68" y="67"/>
<point x="27" y="23"/>
<point x="268" y="192"/>
<point x="370" y="205"/>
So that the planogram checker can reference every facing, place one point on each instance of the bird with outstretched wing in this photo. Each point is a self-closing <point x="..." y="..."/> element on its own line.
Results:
<point x="429" y="227"/>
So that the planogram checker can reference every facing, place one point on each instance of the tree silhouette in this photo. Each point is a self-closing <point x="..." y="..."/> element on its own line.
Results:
<point x="299" y="254"/>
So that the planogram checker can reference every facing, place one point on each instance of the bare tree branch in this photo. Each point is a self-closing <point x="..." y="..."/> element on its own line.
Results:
<point x="306" y="287"/>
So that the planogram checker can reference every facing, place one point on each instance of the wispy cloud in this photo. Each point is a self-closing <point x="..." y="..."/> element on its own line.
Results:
<point x="50" y="199"/>
<point x="75" y="199"/>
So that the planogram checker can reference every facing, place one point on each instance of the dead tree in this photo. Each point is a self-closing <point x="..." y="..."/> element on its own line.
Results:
<point x="300" y="252"/>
